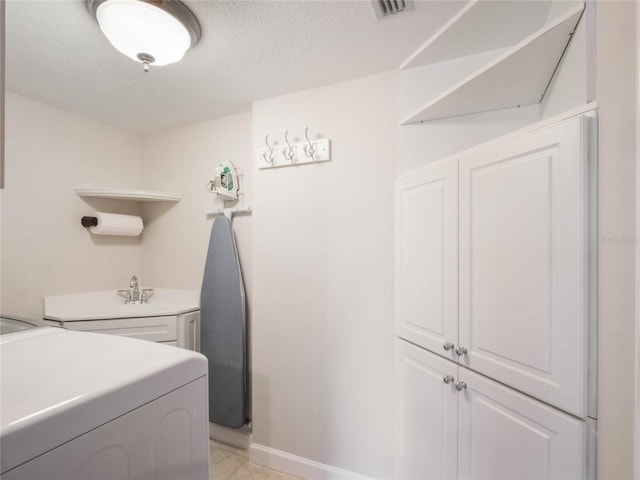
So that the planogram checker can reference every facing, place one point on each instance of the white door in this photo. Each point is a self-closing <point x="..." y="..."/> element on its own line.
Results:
<point x="507" y="435"/>
<point x="427" y="257"/>
<point x="426" y="414"/>
<point x="523" y="263"/>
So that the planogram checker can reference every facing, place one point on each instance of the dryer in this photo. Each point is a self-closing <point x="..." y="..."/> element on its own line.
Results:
<point x="77" y="405"/>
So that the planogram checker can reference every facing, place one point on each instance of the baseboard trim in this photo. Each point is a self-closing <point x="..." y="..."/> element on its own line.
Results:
<point x="240" y="438"/>
<point x="298" y="466"/>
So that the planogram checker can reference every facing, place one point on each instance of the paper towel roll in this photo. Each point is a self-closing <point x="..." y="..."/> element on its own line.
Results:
<point x="116" y="224"/>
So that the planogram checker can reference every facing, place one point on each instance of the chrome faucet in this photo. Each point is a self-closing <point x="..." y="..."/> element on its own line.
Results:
<point x="135" y="298"/>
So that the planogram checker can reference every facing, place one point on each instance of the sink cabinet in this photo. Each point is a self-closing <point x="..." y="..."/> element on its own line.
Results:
<point x="172" y="316"/>
<point x="181" y="330"/>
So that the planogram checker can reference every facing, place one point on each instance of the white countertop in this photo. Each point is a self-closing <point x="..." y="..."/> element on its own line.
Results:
<point x="108" y="304"/>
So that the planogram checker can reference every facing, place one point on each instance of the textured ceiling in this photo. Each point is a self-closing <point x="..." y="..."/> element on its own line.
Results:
<point x="249" y="50"/>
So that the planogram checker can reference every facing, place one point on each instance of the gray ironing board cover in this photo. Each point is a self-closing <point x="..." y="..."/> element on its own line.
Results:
<point x="222" y="304"/>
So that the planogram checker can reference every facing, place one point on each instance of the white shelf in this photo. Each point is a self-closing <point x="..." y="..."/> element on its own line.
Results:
<point x="128" y="194"/>
<point x="518" y="77"/>
<point x="479" y="27"/>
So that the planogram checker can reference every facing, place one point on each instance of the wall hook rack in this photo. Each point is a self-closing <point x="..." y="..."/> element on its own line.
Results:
<point x="308" y="151"/>
<point x="288" y="152"/>
<point x="268" y="155"/>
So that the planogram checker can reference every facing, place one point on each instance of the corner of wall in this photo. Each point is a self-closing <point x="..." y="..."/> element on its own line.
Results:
<point x="52" y="253"/>
<point x="183" y="160"/>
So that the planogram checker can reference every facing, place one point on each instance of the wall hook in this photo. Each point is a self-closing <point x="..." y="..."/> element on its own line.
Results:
<point x="272" y="156"/>
<point x="288" y="152"/>
<point x="309" y="149"/>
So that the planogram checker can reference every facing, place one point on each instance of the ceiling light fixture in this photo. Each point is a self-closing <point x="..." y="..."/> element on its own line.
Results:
<point x="157" y="32"/>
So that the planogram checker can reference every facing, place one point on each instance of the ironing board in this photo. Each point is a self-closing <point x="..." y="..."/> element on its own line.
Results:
<point x="222" y="304"/>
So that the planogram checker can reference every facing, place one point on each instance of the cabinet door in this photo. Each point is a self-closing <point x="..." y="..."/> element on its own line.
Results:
<point x="189" y="331"/>
<point x="427" y="257"/>
<point x="426" y="414"/>
<point x="523" y="264"/>
<point x="504" y="434"/>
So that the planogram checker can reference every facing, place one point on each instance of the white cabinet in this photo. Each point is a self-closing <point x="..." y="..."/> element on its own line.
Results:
<point x="492" y="284"/>
<point x="426" y="414"/>
<point x="485" y="430"/>
<point x="427" y="257"/>
<point x="505" y="434"/>
<point x="523" y="264"/>
<point x="511" y="292"/>
<point x="182" y="330"/>
<point x="155" y="329"/>
<point x="189" y="331"/>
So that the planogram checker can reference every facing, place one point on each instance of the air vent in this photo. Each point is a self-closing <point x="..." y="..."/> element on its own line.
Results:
<point x="386" y="8"/>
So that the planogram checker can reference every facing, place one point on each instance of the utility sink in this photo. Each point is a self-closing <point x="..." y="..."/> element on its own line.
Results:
<point x="108" y="304"/>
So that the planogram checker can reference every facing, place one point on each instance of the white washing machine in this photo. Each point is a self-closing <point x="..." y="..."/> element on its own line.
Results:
<point x="76" y="405"/>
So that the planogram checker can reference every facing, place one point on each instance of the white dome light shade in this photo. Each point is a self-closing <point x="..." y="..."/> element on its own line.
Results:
<point x="138" y="28"/>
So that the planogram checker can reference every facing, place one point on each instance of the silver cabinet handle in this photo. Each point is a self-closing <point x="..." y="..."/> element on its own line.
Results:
<point x="448" y="346"/>
<point x="461" y="351"/>
<point x="448" y="379"/>
<point x="460" y="386"/>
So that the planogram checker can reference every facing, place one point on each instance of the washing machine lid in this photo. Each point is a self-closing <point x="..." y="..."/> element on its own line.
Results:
<point x="11" y="324"/>
<point x="56" y="385"/>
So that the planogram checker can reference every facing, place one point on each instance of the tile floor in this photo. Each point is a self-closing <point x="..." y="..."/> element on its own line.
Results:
<point x="228" y="463"/>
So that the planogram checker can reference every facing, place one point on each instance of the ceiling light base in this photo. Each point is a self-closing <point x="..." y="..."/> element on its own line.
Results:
<point x="146" y="60"/>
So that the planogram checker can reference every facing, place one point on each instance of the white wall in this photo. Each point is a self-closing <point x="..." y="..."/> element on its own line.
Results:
<point x="45" y="250"/>
<point x="426" y="143"/>
<point x="50" y="153"/>
<point x="182" y="160"/>
<point x="616" y="94"/>
<point x="636" y="450"/>
<point x="323" y="279"/>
